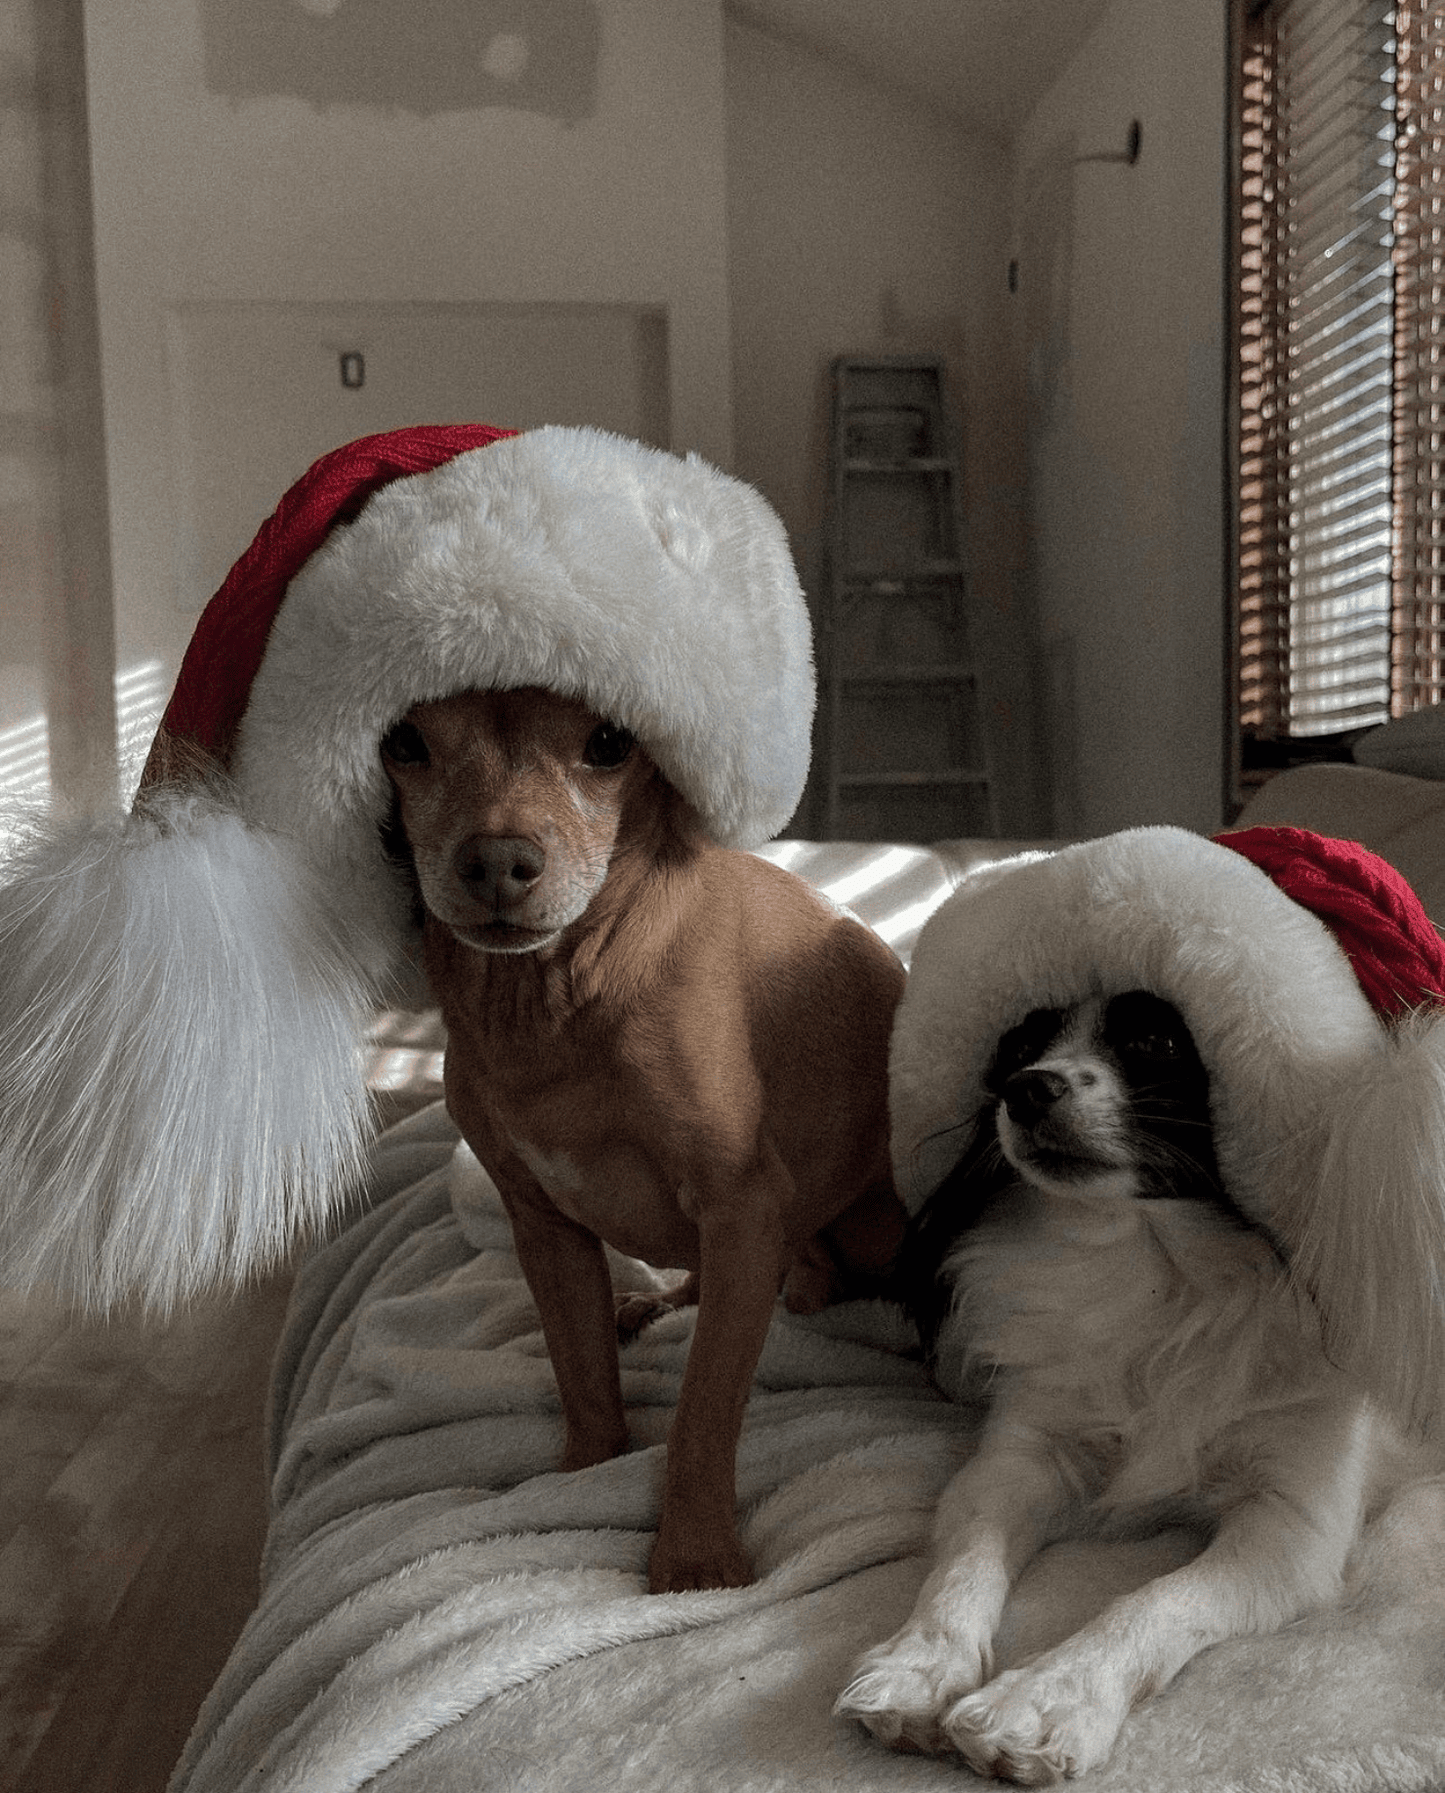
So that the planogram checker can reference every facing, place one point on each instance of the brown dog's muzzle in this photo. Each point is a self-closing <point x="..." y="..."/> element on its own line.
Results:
<point x="499" y="873"/>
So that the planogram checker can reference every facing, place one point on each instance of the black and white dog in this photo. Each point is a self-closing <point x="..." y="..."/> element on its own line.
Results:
<point x="1147" y="1359"/>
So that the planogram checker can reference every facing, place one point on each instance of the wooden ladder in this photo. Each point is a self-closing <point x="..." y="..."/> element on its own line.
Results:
<point x="905" y="748"/>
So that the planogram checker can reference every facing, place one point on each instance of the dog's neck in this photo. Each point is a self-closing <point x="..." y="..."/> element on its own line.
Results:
<point x="1104" y="1253"/>
<point x="609" y="954"/>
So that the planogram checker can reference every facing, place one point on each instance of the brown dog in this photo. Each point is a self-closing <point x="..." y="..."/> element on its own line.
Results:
<point x="652" y="1041"/>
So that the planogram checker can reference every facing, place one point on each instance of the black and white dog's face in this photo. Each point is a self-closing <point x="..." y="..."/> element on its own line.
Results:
<point x="1107" y="1097"/>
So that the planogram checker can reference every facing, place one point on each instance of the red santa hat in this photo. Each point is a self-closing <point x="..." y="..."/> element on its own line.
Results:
<point x="1311" y="980"/>
<point x="185" y="987"/>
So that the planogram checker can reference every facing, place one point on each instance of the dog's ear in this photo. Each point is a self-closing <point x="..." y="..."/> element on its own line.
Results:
<point x="180" y="1091"/>
<point x="674" y="827"/>
<point x="960" y="1200"/>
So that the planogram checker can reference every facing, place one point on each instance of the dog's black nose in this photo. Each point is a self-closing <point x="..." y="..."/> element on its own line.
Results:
<point x="1029" y="1095"/>
<point x="499" y="870"/>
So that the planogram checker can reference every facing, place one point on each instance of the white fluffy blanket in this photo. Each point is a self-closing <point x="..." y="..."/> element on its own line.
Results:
<point x="443" y="1613"/>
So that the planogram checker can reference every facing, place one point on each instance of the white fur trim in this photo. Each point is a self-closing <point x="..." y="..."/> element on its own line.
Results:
<point x="1275" y="1010"/>
<point x="179" y="1055"/>
<point x="1330" y="1128"/>
<point x="658" y="590"/>
<point x="1371" y="1240"/>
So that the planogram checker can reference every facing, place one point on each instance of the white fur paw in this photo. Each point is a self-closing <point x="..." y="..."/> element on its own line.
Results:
<point x="1033" y="1726"/>
<point x="901" y="1689"/>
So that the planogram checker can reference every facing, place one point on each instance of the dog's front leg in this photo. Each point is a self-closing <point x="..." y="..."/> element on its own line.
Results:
<point x="742" y="1254"/>
<point x="566" y="1271"/>
<point x="992" y="1518"/>
<point x="1276" y="1555"/>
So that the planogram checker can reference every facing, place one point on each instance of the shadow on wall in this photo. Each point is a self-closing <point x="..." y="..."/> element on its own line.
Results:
<point x="1043" y="279"/>
<point x="429" y="56"/>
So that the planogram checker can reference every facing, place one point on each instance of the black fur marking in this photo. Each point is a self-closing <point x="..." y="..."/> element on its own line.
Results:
<point x="964" y="1196"/>
<point x="1155" y="1052"/>
<point x="1022" y="1045"/>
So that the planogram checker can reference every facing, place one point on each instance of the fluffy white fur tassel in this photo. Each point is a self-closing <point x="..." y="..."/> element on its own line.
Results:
<point x="180" y="1089"/>
<point x="1369" y="1244"/>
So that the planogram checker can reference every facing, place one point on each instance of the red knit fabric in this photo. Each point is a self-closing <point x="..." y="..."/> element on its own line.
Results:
<point x="1378" y="920"/>
<point x="225" y="652"/>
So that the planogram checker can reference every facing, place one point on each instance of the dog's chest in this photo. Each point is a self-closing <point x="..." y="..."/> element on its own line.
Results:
<point x="1142" y="1339"/>
<point x="616" y="1191"/>
<point x="1066" y="1303"/>
<point x="577" y="1138"/>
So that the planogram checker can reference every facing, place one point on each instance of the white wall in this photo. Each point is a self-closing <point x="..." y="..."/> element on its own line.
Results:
<point x="211" y="189"/>
<point x="861" y="220"/>
<point x="1120" y="329"/>
<point x="29" y="501"/>
<point x="57" y="723"/>
<point x="779" y="210"/>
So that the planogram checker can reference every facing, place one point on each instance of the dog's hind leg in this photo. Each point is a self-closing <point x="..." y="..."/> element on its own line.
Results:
<point x="851" y="1257"/>
<point x="812" y="1281"/>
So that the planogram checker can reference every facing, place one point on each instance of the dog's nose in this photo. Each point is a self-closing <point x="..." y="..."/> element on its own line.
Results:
<point x="497" y="869"/>
<point x="1029" y="1095"/>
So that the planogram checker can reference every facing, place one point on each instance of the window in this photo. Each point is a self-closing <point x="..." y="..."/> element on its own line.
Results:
<point x="1340" y="328"/>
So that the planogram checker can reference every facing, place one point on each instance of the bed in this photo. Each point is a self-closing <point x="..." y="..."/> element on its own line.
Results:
<point x="441" y="1610"/>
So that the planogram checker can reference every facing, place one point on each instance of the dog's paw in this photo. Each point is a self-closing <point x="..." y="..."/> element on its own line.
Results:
<point x="636" y="1310"/>
<point x="635" y="1313"/>
<point x="678" y="1567"/>
<point x="901" y="1689"/>
<point x="1035" y="1726"/>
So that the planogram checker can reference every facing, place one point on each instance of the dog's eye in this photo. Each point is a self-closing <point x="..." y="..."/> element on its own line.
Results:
<point x="1021" y="1045"/>
<point x="405" y="745"/>
<point x="608" y="745"/>
<point x="1143" y="1026"/>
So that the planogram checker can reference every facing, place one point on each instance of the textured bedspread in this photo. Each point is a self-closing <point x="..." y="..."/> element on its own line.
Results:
<point x="444" y="1612"/>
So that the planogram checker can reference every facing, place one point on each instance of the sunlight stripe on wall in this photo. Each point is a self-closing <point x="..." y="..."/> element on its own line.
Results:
<point x="140" y="698"/>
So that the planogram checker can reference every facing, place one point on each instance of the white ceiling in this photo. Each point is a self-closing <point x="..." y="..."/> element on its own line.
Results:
<point x="986" y="62"/>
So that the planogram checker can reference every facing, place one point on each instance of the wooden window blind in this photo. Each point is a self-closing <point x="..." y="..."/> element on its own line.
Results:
<point x="1419" y="260"/>
<point x="1341" y="226"/>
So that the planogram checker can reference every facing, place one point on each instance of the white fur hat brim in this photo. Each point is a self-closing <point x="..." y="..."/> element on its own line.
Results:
<point x="657" y="590"/>
<point x="1329" y="1125"/>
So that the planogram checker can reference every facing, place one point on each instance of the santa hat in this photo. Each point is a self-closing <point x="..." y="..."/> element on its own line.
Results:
<point x="184" y="988"/>
<point x="1311" y="980"/>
